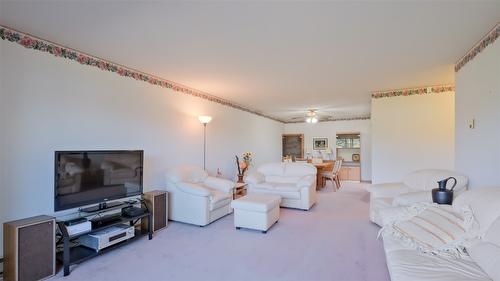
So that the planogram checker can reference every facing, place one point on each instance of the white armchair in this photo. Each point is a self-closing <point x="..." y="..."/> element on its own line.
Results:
<point x="416" y="187"/>
<point x="294" y="182"/>
<point x="195" y="197"/>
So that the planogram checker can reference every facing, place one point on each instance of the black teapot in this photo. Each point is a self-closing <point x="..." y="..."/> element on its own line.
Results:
<point x="441" y="195"/>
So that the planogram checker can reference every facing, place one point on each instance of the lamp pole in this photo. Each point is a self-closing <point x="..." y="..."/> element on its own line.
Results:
<point x="204" y="145"/>
<point x="205" y="119"/>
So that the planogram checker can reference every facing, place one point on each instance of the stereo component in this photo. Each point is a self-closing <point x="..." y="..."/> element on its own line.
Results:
<point x="157" y="203"/>
<point x="29" y="248"/>
<point x="107" y="237"/>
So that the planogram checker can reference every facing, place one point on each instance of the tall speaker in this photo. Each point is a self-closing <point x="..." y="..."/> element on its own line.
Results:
<point x="156" y="201"/>
<point x="29" y="248"/>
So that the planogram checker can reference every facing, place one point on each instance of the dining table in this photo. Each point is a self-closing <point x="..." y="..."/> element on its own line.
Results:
<point x="321" y="167"/>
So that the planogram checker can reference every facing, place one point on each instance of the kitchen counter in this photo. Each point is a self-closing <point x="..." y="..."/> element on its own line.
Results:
<point x="351" y="164"/>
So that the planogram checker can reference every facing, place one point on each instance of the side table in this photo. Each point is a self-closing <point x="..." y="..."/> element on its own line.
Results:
<point x="239" y="190"/>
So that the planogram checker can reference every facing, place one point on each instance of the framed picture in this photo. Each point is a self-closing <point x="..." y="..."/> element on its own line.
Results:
<point x="320" y="143"/>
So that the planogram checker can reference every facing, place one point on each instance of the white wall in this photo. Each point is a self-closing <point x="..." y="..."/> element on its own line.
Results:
<point x="330" y="131"/>
<point x="478" y="96"/>
<point x="53" y="104"/>
<point x="411" y="133"/>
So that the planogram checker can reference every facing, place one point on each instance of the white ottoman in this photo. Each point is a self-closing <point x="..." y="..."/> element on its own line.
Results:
<point x="256" y="211"/>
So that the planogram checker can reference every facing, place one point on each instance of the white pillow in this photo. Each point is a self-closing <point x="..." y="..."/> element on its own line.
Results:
<point x="487" y="256"/>
<point x="436" y="229"/>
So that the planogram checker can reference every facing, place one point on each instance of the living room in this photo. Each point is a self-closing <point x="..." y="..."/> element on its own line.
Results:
<point x="183" y="87"/>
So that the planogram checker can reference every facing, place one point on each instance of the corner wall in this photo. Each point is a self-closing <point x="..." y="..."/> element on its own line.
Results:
<point x="478" y="97"/>
<point x="49" y="103"/>
<point x="411" y="133"/>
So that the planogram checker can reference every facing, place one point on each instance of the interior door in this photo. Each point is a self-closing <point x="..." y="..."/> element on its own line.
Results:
<point x="293" y="145"/>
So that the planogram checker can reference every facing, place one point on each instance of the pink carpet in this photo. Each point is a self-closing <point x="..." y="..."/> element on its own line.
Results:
<point x="332" y="241"/>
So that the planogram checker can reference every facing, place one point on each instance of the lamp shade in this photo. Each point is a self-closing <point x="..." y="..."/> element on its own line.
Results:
<point x="205" y="119"/>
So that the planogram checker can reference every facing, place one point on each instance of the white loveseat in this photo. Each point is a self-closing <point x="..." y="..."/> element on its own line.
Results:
<point x="416" y="187"/>
<point x="294" y="182"/>
<point x="407" y="264"/>
<point x="195" y="197"/>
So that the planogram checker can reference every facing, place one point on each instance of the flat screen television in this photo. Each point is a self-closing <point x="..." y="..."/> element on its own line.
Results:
<point x="90" y="177"/>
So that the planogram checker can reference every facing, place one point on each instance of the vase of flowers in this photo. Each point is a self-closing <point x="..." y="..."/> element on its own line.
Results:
<point x="243" y="165"/>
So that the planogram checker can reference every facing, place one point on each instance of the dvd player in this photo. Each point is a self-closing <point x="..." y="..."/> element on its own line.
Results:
<point x="107" y="237"/>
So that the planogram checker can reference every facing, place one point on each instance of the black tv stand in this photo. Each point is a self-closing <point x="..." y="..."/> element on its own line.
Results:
<point x="104" y="206"/>
<point x="74" y="254"/>
<point x="105" y="220"/>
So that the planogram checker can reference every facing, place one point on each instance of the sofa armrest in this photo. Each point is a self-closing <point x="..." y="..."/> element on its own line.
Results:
<point x="385" y="190"/>
<point x="223" y="185"/>
<point x="254" y="177"/>
<point x="193" y="189"/>
<point x="306" y="181"/>
<point x="410" y="198"/>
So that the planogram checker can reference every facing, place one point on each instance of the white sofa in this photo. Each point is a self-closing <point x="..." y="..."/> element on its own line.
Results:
<point x="294" y="182"/>
<point x="195" y="197"/>
<point x="406" y="264"/>
<point x="416" y="187"/>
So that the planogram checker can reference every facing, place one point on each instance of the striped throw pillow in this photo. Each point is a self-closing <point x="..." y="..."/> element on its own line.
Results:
<point x="437" y="230"/>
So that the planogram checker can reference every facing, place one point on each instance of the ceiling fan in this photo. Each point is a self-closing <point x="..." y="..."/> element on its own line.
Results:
<point x="311" y="117"/>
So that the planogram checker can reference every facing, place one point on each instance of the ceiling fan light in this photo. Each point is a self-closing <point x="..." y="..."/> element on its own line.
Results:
<point x="312" y="120"/>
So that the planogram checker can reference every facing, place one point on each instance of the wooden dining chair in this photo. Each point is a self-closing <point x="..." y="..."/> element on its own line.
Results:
<point x="333" y="175"/>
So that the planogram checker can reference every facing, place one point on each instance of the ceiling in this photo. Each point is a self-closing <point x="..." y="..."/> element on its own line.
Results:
<point x="279" y="57"/>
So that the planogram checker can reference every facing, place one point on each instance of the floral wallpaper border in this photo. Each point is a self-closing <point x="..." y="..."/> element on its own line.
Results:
<point x="331" y="119"/>
<point x="35" y="43"/>
<point x="479" y="47"/>
<point x="414" y="91"/>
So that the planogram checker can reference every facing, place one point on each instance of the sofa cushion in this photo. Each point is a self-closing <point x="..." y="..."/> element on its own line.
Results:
<point x="484" y="202"/>
<point x="381" y="203"/>
<point x="263" y="186"/>
<point x="436" y="230"/>
<point x="412" y="197"/>
<point x="387" y="190"/>
<point x="219" y="199"/>
<point x="282" y="179"/>
<point x="427" y="179"/>
<point x="286" y="187"/>
<point x="257" y="202"/>
<point x="254" y="177"/>
<point x="487" y="256"/>
<point x="493" y="233"/>
<point x="272" y="169"/>
<point x="411" y="265"/>
<point x="285" y="190"/>
<point x="191" y="174"/>
<point x="299" y="170"/>
<point x="193" y="189"/>
<point x="390" y="215"/>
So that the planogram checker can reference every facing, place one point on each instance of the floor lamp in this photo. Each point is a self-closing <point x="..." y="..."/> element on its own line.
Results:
<point x="204" y="119"/>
